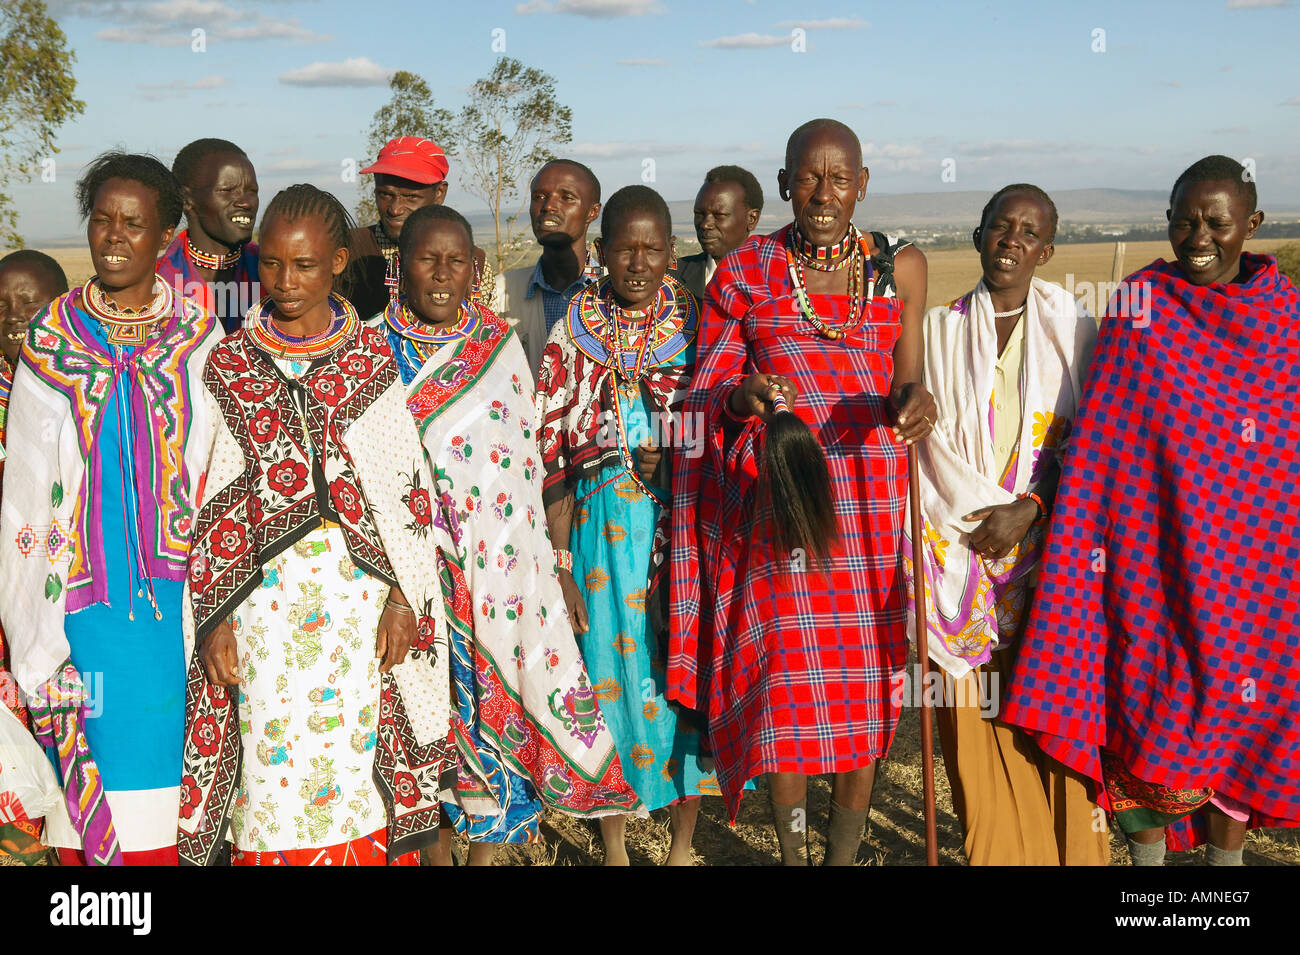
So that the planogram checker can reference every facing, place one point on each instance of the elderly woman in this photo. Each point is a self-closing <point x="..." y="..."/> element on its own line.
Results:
<point x="97" y="516"/>
<point x="212" y="260"/>
<point x="794" y="662"/>
<point x="1168" y="590"/>
<point x="1006" y="363"/>
<point x="313" y="583"/>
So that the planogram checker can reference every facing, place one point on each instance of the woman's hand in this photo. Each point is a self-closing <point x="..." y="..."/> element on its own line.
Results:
<point x="1002" y="527"/>
<point x="396" y="631"/>
<point x="219" y="655"/>
<point x="753" y="396"/>
<point x="577" y="607"/>
<point x="916" y="410"/>
<point x="647" y="460"/>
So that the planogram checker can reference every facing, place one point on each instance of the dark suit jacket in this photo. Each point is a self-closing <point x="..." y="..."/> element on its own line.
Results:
<point x="690" y="272"/>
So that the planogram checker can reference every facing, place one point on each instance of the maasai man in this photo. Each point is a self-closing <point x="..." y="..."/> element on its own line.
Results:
<point x="29" y="281"/>
<point x="614" y="373"/>
<point x="1167" y="593"/>
<point x="794" y="662"/>
<point x="410" y="173"/>
<point x="565" y="201"/>
<point x="727" y="208"/>
<point x="1005" y="363"/>
<point x="212" y="260"/>
<point x="313" y="582"/>
<point x="528" y="727"/>
<point x="97" y="515"/>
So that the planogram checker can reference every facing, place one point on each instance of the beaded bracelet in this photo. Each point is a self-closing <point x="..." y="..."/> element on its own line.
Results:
<point x="563" y="560"/>
<point x="1042" y="508"/>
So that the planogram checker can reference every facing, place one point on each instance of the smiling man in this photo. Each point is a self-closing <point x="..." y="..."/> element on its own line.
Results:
<point x="727" y="208"/>
<point x="212" y="260"/>
<point x="565" y="200"/>
<point x="1168" y="593"/>
<point x="410" y="173"/>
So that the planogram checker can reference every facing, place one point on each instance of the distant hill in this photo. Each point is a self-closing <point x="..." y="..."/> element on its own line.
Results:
<point x="907" y="211"/>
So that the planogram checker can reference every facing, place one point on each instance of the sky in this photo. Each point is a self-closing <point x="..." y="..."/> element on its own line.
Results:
<point x="943" y="95"/>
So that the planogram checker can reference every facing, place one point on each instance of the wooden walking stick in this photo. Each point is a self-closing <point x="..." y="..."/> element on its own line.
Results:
<point x="923" y="655"/>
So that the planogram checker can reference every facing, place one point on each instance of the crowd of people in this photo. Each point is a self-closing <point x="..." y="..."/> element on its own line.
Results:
<point x="334" y="547"/>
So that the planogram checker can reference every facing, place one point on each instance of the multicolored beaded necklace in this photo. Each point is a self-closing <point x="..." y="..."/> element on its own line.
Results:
<point x="266" y="335"/>
<point x="859" y="261"/>
<point x="217" y="261"/>
<point x="825" y="258"/>
<point x="422" y="337"/>
<point x="126" y="326"/>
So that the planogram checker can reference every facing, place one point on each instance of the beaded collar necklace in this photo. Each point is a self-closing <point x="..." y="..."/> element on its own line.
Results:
<point x="264" y="333"/>
<point x="126" y="326"/>
<point x="859" y="262"/>
<point x="825" y="258"/>
<point x="402" y="320"/>
<point x="217" y="261"/>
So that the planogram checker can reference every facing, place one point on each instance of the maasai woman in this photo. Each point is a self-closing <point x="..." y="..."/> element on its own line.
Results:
<point x="528" y="728"/>
<point x="29" y="281"/>
<point x="613" y="373"/>
<point x="1168" y="591"/>
<point x="97" y="515"/>
<point x="1005" y="363"/>
<point x="793" y="661"/>
<point x="312" y="574"/>
<point x="212" y="261"/>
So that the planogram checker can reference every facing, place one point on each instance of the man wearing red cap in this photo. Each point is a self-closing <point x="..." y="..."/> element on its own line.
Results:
<point x="410" y="173"/>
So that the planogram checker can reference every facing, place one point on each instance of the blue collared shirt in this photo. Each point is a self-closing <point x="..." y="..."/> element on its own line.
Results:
<point x="555" y="303"/>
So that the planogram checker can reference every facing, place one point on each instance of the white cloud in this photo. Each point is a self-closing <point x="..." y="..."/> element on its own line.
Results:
<point x="747" y="41"/>
<point x="884" y="102"/>
<point x="831" y="23"/>
<point x="356" y="71"/>
<point x="206" y="83"/>
<point x="592" y="9"/>
<point x="171" y="22"/>
<point x="1252" y="4"/>
<point x="642" y="61"/>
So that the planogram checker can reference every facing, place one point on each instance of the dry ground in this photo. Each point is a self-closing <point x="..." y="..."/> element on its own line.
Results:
<point x="896" y="835"/>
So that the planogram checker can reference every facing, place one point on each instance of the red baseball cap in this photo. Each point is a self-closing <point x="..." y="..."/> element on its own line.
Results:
<point x="413" y="158"/>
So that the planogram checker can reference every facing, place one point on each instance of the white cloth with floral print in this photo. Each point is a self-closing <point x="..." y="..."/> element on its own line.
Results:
<point x="309" y="700"/>
<point x="959" y="463"/>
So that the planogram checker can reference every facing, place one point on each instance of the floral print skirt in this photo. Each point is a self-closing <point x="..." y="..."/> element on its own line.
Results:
<point x="309" y="701"/>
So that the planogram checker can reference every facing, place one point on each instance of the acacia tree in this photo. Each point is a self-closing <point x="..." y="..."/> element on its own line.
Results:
<point x="511" y="125"/>
<point x="410" y="112"/>
<point x="36" y="97"/>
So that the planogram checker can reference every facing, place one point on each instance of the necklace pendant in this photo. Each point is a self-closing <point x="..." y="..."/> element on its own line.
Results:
<point x="834" y="334"/>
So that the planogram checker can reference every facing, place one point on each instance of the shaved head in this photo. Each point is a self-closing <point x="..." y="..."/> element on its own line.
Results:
<point x="815" y="128"/>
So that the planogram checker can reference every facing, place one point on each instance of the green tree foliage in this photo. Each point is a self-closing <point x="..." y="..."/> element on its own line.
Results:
<point x="511" y="125"/>
<point x="36" y="98"/>
<point x="410" y="112"/>
<point x="1288" y="262"/>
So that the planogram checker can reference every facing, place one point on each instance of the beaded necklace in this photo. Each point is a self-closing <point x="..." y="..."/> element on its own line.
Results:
<point x="266" y="335"/>
<point x="126" y="326"/>
<point x="217" y="261"/>
<point x="392" y="265"/>
<point x="859" y="261"/>
<point x="825" y="258"/>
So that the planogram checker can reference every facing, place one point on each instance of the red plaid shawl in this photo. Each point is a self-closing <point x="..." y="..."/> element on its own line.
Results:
<point x="1164" y="628"/>
<point x="792" y="667"/>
